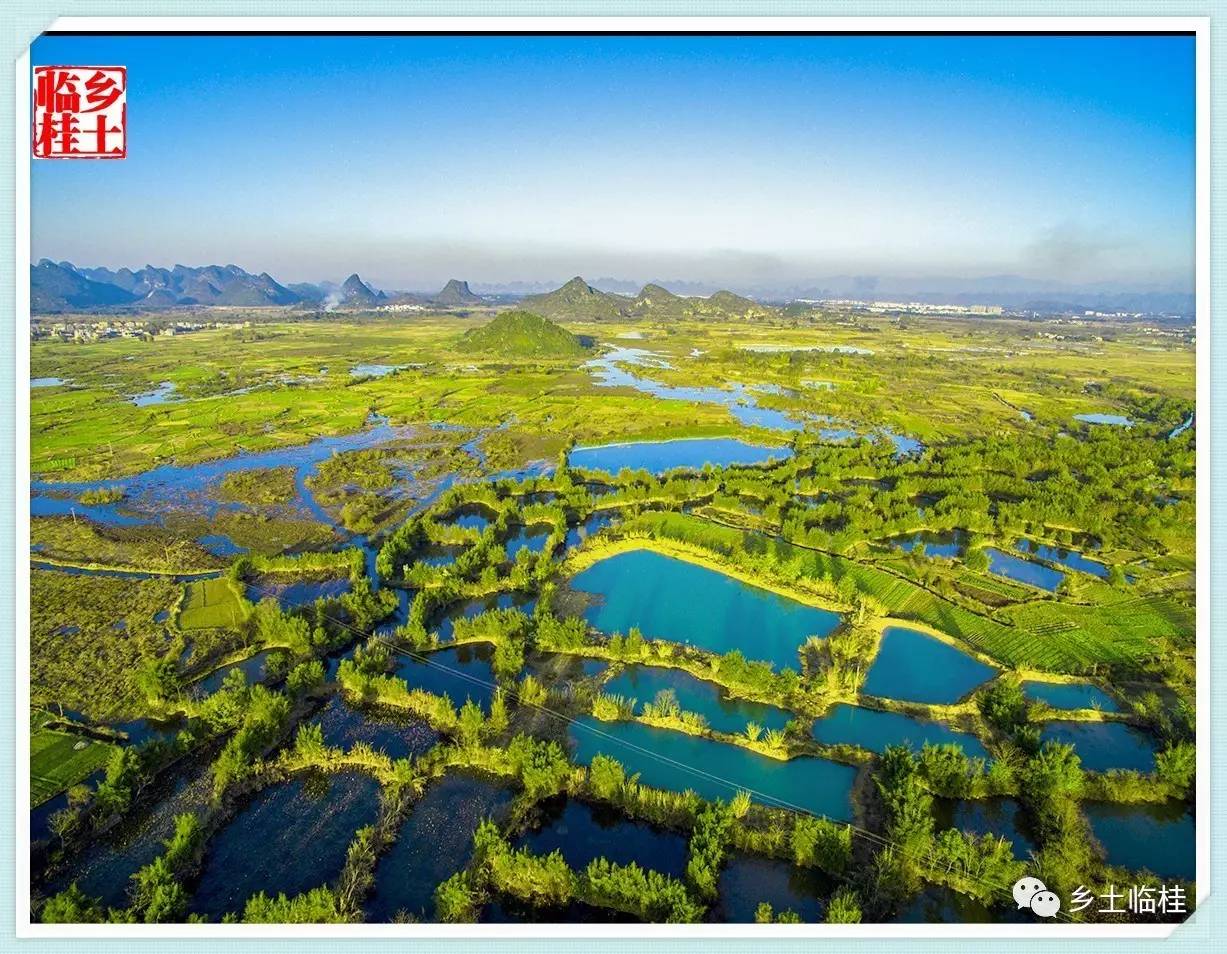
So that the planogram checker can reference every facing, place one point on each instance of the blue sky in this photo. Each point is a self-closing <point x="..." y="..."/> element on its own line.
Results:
<point x="769" y="160"/>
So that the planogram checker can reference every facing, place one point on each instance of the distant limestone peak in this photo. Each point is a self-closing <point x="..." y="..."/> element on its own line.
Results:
<point x="457" y="292"/>
<point x="357" y="293"/>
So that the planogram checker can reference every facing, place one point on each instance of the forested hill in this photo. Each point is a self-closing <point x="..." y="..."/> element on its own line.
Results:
<point x="522" y="333"/>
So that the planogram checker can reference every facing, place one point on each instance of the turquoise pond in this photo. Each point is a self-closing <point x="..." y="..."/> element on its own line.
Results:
<point x="656" y="457"/>
<point x="874" y="730"/>
<point x="662" y="759"/>
<point x="1158" y="838"/>
<point x="695" y="695"/>
<point x="917" y="667"/>
<point x="671" y="599"/>
<point x="1070" y="695"/>
<point x="1103" y="746"/>
<point x="1023" y="571"/>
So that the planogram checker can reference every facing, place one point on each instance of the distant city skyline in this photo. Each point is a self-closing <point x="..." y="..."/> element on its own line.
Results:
<point x="745" y="162"/>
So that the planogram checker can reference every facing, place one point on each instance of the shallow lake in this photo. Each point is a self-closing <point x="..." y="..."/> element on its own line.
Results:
<point x="874" y="730"/>
<point x="747" y="880"/>
<point x="918" y="667"/>
<point x="460" y="673"/>
<point x="716" y="769"/>
<point x="1160" y="838"/>
<point x="723" y="714"/>
<point x="162" y="394"/>
<point x="739" y="399"/>
<point x="220" y="545"/>
<point x="657" y="457"/>
<point x="1116" y="420"/>
<point x="434" y="843"/>
<point x="1070" y="695"/>
<point x="585" y="832"/>
<point x="399" y="736"/>
<point x="1104" y="745"/>
<point x="172" y="486"/>
<point x="1070" y="558"/>
<point x="987" y="816"/>
<point x="1024" y="571"/>
<point x="682" y="602"/>
<point x="291" y="837"/>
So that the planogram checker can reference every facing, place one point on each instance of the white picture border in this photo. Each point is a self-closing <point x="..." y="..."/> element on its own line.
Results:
<point x="1200" y="26"/>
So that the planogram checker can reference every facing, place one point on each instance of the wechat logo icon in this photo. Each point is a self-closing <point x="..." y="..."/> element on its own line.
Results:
<point x="1032" y="893"/>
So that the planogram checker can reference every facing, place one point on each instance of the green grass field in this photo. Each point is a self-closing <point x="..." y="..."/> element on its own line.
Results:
<point x="212" y="604"/>
<point x="59" y="760"/>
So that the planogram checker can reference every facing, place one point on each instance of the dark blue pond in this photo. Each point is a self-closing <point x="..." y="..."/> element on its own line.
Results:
<point x="874" y="730"/>
<point x="656" y="457"/>
<point x="1001" y="817"/>
<point x="1159" y="838"/>
<point x="563" y="667"/>
<point x="595" y="523"/>
<point x="255" y="668"/>
<point x="1024" y="571"/>
<point x="483" y="604"/>
<point x="1070" y="695"/>
<point x="293" y="593"/>
<point x="940" y="905"/>
<point x="40" y="815"/>
<point x="220" y="545"/>
<point x="748" y="880"/>
<point x="435" y="842"/>
<point x="811" y="784"/>
<point x="695" y="695"/>
<point x="400" y="737"/>
<point x="948" y="545"/>
<point x="671" y="599"/>
<point x="918" y="667"/>
<point x="531" y="538"/>
<point x="1104" y="745"/>
<point x="584" y="833"/>
<point x="1070" y="558"/>
<point x="460" y="673"/>
<point x="472" y="517"/>
<point x="439" y="554"/>
<point x="292" y="837"/>
<point x="104" y="870"/>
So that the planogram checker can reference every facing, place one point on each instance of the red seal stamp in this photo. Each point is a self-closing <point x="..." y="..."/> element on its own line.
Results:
<point x="80" y="112"/>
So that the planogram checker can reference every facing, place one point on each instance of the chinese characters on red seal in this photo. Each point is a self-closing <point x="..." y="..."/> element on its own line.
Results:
<point x="80" y="112"/>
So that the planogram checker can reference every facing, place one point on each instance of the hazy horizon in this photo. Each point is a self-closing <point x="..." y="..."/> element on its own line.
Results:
<point x="743" y="162"/>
